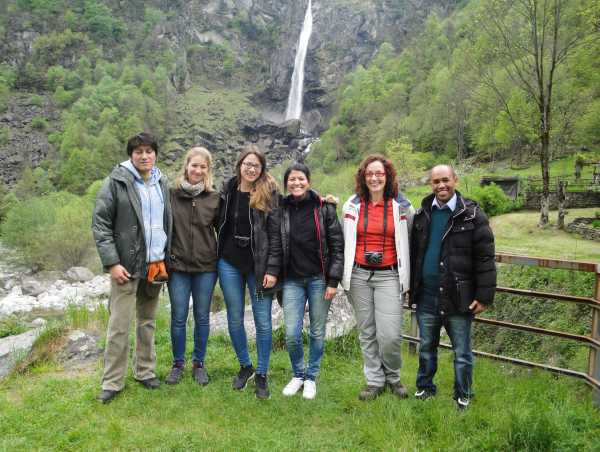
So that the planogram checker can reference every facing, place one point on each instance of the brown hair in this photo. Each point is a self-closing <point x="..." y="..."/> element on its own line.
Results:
<point x="263" y="187"/>
<point x="391" y="179"/>
<point x="194" y="152"/>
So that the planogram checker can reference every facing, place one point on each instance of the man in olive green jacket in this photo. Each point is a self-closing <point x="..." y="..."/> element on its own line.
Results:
<point x="132" y="229"/>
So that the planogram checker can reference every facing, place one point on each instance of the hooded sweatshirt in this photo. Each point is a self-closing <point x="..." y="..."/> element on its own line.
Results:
<point x="153" y="206"/>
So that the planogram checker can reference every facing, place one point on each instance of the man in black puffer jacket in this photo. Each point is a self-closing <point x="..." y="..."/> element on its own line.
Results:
<point x="453" y="278"/>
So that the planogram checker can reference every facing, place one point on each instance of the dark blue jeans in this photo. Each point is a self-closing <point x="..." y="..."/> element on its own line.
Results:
<point x="296" y="291"/>
<point x="233" y="283"/>
<point x="458" y="328"/>
<point x="200" y="287"/>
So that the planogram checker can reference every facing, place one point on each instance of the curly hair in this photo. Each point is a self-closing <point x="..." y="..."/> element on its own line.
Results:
<point x="391" y="177"/>
<point x="262" y="188"/>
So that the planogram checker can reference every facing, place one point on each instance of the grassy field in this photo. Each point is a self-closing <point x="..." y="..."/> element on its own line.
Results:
<point x="514" y="409"/>
<point x="518" y="233"/>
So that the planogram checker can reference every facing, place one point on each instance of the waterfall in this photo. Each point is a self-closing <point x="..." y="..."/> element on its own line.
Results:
<point x="294" y="107"/>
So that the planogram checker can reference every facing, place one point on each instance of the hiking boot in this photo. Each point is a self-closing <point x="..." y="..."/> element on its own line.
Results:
<point x="310" y="390"/>
<point x="293" y="386"/>
<point x="150" y="383"/>
<point x="106" y="395"/>
<point x="462" y="403"/>
<point x="398" y="389"/>
<point x="241" y="380"/>
<point x="175" y="376"/>
<point x="262" y="387"/>
<point x="199" y="374"/>
<point x="370" y="393"/>
<point x="424" y="394"/>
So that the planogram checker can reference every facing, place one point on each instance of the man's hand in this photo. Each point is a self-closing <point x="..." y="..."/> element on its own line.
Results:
<point x="119" y="274"/>
<point x="269" y="281"/>
<point x="330" y="293"/>
<point x="476" y="307"/>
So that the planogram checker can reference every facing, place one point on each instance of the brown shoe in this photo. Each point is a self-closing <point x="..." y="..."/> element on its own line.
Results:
<point x="370" y="393"/>
<point x="398" y="389"/>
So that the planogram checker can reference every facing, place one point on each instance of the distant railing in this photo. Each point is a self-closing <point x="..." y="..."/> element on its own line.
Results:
<point x="592" y="377"/>
<point x="535" y="184"/>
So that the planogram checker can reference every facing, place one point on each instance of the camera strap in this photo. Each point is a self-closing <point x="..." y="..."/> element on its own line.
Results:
<point x="366" y="222"/>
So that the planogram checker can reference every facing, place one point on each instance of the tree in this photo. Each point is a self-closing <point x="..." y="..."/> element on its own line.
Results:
<point x="533" y="39"/>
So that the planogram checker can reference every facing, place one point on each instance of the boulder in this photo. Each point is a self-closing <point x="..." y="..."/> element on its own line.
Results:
<point x="79" y="274"/>
<point x="31" y="286"/>
<point x="80" y="350"/>
<point x="12" y="348"/>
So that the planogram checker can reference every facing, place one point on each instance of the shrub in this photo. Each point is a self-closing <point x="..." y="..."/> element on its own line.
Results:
<point x="36" y="100"/>
<point x="39" y="123"/>
<point x="4" y="135"/>
<point x="51" y="232"/>
<point x="492" y="200"/>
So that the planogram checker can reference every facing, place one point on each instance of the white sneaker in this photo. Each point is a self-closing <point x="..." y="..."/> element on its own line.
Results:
<point x="310" y="390"/>
<point x="293" y="386"/>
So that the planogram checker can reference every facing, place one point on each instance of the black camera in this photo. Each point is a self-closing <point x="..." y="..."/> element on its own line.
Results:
<point x="241" y="241"/>
<point x="374" y="257"/>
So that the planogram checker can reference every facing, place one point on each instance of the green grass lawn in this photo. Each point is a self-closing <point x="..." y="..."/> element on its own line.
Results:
<point x="518" y="233"/>
<point x="514" y="409"/>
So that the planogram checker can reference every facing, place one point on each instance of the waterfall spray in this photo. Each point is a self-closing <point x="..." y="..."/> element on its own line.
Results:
<point x="294" y="107"/>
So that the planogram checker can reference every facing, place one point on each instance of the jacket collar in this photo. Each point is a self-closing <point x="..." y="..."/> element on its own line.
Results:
<point x="400" y="199"/>
<point x="461" y="204"/>
<point x="313" y="196"/>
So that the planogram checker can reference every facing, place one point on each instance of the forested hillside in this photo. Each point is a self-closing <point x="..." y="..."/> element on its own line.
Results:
<point x="466" y="87"/>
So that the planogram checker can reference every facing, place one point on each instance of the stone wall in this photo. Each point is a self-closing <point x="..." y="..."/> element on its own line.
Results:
<point x="584" y="227"/>
<point x="574" y="200"/>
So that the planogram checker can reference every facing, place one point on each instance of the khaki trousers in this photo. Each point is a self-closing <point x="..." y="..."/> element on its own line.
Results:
<point x="125" y="300"/>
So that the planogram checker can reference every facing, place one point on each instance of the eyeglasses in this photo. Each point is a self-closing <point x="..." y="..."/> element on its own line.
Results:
<point x="377" y="174"/>
<point x="249" y="165"/>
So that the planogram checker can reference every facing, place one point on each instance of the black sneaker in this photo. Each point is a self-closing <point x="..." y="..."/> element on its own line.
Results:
<point x="424" y="394"/>
<point x="462" y="403"/>
<point x="175" y="375"/>
<point x="199" y="374"/>
<point x="106" y="395"/>
<point x="245" y="374"/>
<point x="262" y="387"/>
<point x="150" y="383"/>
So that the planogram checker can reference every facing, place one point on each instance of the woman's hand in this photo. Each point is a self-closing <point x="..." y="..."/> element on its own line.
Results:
<point x="269" y="281"/>
<point x="330" y="293"/>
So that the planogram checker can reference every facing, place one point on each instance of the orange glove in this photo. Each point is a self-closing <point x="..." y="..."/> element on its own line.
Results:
<point x="157" y="272"/>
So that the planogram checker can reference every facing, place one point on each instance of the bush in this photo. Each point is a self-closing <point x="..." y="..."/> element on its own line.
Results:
<point x="50" y="232"/>
<point x="492" y="200"/>
<point x="36" y="100"/>
<point x="4" y="135"/>
<point x="39" y="123"/>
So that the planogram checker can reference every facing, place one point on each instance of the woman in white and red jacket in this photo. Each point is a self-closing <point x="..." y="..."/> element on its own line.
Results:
<point x="376" y="224"/>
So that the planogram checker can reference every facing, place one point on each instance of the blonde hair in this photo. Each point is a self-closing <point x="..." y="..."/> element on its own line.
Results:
<point x="262" y="188"/>
<point x="195" y="152"/>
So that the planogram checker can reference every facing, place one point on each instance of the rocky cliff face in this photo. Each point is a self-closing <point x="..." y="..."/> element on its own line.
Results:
<point x="255" y="40"/>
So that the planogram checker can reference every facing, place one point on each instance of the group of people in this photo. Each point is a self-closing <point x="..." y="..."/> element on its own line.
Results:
<point x="250" y="236"/>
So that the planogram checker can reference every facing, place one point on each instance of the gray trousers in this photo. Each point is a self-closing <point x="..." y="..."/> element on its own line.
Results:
<point x="126" y="301"/>
<point x="377" y="302"/>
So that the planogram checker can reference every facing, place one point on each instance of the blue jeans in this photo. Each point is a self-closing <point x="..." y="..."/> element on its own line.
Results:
<point x="233" y="283"/>
<point x="295" y="293"/>
<point x="200" y="287"/>
<point x="459" y="330"/>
